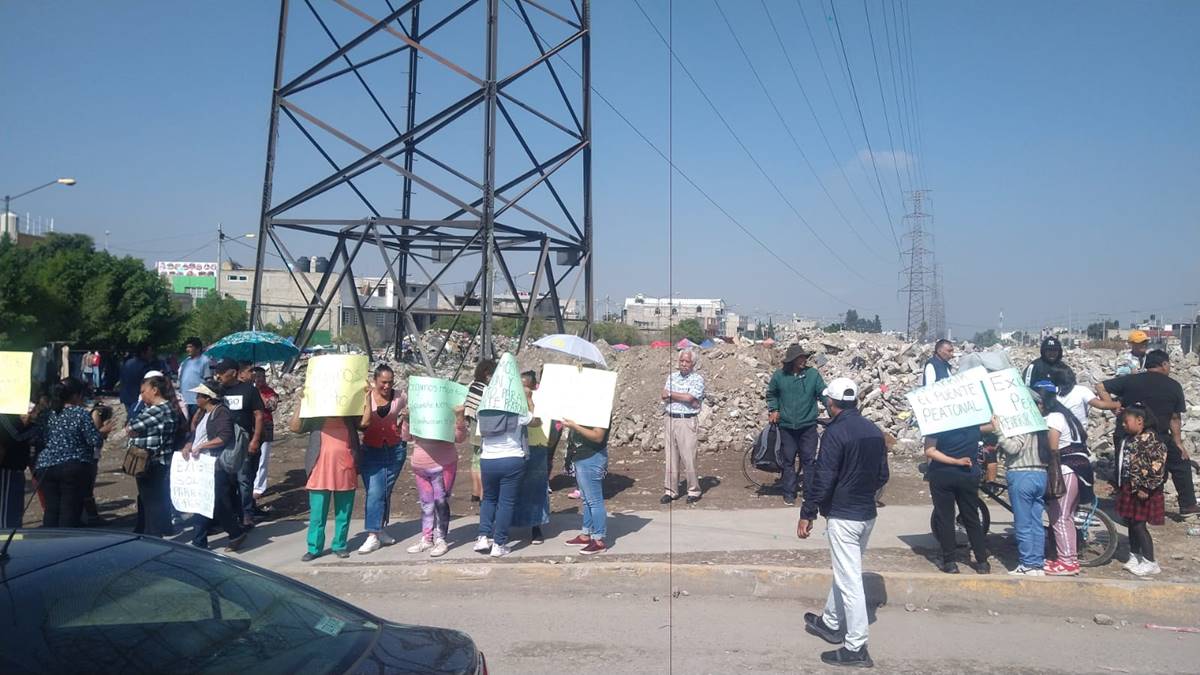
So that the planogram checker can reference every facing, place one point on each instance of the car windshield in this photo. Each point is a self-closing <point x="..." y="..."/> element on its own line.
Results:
<point x="150" y="607"/>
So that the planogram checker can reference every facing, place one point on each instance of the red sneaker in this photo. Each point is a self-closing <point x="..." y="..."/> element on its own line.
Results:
<point x="594" y="546"/>
<point x="579" y="540"/>
<point x="1055" y="568"/>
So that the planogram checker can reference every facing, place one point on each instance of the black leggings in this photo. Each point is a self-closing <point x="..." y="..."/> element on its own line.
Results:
<point x="64" y="487"/>
<point x="1139" y="539"/>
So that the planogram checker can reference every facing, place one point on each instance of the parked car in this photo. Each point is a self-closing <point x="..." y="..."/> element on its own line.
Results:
<point x="74" y="601"/>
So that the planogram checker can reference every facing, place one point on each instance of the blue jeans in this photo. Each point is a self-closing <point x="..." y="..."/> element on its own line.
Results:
<point x="154" y="501"/>
<point x="1027" y="489"/>
<point x="589" y="474"/>
<point x="379" y="468"/>
<point x="501" y="483"/>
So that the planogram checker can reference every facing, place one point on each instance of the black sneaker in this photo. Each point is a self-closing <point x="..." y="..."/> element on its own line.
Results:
<point x="845" y="657"/>
<point x="789" y="501"/>
<point x="950" y="567"/>
<point x="692" y="499"/>
<point x="665" y="499"/>
<point x="309" y="557"/>
<point x="815" y="625"/>
<point x="342" y="553"/>
<point x="982" y="567"/>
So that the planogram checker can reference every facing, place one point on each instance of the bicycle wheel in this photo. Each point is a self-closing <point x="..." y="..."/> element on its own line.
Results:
<point x="1096" y="536"/>
<point x="756" y="476"/>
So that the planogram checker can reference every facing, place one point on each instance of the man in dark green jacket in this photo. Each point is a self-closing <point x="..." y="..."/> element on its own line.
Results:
<point x="792" y="396"/>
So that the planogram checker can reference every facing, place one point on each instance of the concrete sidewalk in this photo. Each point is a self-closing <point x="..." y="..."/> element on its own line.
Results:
<point x="279" y="544"/>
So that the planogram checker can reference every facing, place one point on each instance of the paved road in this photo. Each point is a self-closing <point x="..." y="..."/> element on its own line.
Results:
<point x="591" y="632"/>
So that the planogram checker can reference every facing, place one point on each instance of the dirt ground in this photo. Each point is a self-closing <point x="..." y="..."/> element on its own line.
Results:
<point x="634" y="483"/>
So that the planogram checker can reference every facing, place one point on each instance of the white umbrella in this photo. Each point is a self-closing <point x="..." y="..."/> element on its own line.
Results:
<point x="572" y="345"/>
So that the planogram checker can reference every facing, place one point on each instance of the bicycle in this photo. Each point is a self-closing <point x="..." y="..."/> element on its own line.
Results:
<point x="1096" y="532"/>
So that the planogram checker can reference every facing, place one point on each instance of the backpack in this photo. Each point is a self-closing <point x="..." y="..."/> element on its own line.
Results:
<point x="767" y="448"/>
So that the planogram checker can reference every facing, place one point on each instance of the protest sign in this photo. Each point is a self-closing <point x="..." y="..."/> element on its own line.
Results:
<point x="193" y="488"/>
<point x="431" y="403"/>
<point x="334" y="386"/>
<point x="505" y="391"/>
<point x="953" y="403"/>
<point x="15" y="382"/>
<point x="1012" y="403"/>
<point x="583" y="395"/>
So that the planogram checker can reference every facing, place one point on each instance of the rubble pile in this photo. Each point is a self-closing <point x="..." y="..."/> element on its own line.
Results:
<point x="736" y="375"/>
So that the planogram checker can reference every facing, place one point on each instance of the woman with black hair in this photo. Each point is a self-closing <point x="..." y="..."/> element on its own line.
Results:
<point x="154" y="430"/>
<point x="1141" y="473"/>
<point x="1067" y="437"/>
<point x="63" y="467"/>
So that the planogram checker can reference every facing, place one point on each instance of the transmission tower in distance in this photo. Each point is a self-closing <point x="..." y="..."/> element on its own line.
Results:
<point x="937" y="305"/>
<point x="916" y="276"/>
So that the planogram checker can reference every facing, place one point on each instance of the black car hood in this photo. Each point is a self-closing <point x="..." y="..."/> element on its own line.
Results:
<point x="401" y="648"/>
<point x="32" y="550"/>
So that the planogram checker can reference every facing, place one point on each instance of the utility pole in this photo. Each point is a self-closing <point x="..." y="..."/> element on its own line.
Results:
<point x="106" y="233"/>
<point x="220" y="252"/>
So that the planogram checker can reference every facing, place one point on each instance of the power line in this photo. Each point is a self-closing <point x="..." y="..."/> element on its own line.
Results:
<point x="914" y="86"/>
<point x="682" y="174"/>
<point x="816" y="119"/>
<point x="745" y="149"/>
<point x="882" y="99"/>
<point x="787" y="128"/>
<point x="863" y="122"/>
<point x="841" y="115"/>
<point x="901" y="113"/>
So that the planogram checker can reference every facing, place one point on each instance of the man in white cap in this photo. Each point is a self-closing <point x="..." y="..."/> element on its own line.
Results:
<point x="850" y="468"/>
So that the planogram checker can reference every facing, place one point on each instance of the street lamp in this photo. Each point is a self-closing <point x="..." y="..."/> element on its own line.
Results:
<point x="57" y="181"/>
<point x="221" y="239"/>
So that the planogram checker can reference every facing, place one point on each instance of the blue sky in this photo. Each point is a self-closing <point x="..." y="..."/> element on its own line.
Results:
<point x="1060" y="142"/>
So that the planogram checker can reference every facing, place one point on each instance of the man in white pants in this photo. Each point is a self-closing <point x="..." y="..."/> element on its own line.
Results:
<point x="851" y="466"/>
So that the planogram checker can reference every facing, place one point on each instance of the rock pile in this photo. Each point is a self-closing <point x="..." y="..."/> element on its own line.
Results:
<point x="885" y="368"/>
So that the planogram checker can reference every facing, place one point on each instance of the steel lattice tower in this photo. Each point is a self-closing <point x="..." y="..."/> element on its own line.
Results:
<point x="916" y="276"/>
<point x="937" y="306"/>
<point x="446" y="136"/>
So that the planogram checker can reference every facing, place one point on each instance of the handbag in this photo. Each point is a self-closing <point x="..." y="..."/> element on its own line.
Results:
<point x="234" y="455"/>
<point x="1055" y="485"/>
<point x="135" y="462"/>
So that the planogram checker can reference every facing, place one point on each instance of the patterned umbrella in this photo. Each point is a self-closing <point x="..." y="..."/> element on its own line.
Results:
<point x="253" y="345"/>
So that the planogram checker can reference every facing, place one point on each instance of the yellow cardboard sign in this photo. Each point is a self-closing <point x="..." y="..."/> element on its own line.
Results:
<point x="15" y="382"/>
<point x="334" y="386"/>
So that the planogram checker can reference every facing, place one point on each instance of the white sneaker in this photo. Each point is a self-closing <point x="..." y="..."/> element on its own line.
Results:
<point x="439" y="548"/>
<point x="1033" y="572"/>
<point x="370" y="545"/>
<point x="420" y="546"/>
<point x="482" y="544"/>
<point x="1148" y="568"/>
<point x="1133" y="563"/>
<point x="500" y="550"/>
<point x="386" y="539"/>
<point x="1023" y="571"/>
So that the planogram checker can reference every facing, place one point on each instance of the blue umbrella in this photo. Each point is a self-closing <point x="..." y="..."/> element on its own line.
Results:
<point x="253" y="345"/>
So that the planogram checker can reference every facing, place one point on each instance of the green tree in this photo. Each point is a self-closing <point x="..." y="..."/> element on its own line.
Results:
<point x="986" y="338"/>
<point x="688" y="328"/>
<point x="469" y="323"/>
<point x="615" y="333"/>
<point x="285" y="328"/>
<point x="77" y="294"/>
<point x="214" y="317"/>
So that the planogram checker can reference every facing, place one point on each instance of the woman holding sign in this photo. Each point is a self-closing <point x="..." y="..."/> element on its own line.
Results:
<point x="434" y="465"/>
<point x="332" y="473"/>
<point x="383" y="454"/>
<point x="213" y="432"/>
<point x="587" y="451"/>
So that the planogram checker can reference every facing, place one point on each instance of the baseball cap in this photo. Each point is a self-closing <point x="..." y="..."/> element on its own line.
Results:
<point x="841" y="389"/>
<point x="1138" y="336"/>
<point x="224" y="365"/>
<point x="153" y="373"/>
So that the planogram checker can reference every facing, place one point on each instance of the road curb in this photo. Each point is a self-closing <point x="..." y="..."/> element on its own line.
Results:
<point x="1050" y="596"/>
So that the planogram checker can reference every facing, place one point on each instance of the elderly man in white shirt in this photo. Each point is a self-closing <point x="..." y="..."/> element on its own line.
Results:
<point x="683" y="395"/>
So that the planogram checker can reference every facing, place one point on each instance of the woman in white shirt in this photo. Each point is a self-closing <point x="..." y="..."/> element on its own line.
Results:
<point x="502" y="465"/>
<point x="1076" y="397"/>
<point x="1067" y="438"/>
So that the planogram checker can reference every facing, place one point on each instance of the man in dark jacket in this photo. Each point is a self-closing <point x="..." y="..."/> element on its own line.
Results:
<point x="1039" y="369"/>
<point x="850" y="468"/>
<point x="792" y="397"/>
